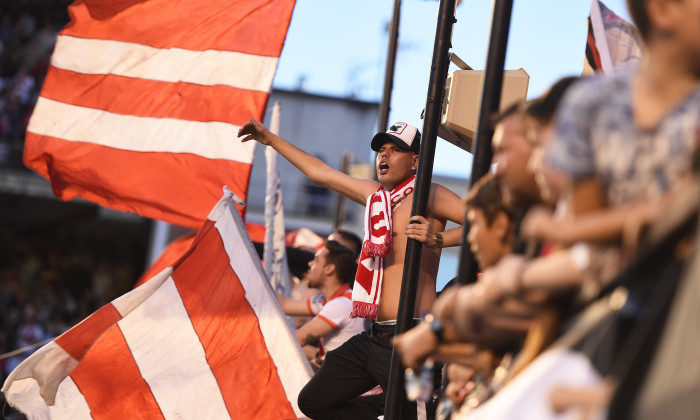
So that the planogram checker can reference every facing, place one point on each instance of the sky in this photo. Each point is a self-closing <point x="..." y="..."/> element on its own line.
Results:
<point x="339" y="48"/>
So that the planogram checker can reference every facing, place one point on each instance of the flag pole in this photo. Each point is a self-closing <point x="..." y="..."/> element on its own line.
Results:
<point x="389" y="70"/>
<point x="275" y="251"/>
<point x="490" y="101"/>
<point x="433" y="110"/>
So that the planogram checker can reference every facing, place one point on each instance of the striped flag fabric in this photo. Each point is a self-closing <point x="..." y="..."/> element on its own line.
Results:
<point x="143" y="99"/>
<point x="204" y="339"/>
<point x="612" y="42"/>
<point x="173" y="252"/>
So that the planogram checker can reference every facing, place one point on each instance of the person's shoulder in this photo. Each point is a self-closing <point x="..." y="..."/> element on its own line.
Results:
<point x="338" y="302"/>
<point x="599" y="88"/>
<point x="440" y="188"/>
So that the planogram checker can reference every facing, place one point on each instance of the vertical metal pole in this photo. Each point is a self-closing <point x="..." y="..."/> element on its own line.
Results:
<point x="433" y="110"/>
<point x="490" y="100"/>
<point x="389" y="70"/>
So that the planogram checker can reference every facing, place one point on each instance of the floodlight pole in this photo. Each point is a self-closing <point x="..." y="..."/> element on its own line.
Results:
<point x="490" y="100"/>
<point x="433" y="110"/>
<point x="383" y="121"/>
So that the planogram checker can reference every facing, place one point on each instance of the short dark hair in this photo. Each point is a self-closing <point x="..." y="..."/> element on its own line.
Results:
<point x="343" y="259"/>
<point x="512" y="109"/>
<point x="486" y="196"/>
<point x="543" y="108"/>
<point x="352" y="238"/>
<point x="640" y="17"/>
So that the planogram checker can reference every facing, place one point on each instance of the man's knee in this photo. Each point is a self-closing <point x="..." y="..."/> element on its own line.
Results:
<point x="311" y="402"/>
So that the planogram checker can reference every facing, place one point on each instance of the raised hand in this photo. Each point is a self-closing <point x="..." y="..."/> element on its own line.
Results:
<point x="254" y="130"/>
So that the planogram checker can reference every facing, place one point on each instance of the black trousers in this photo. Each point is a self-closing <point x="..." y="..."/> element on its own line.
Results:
<point x="352" y="369"/>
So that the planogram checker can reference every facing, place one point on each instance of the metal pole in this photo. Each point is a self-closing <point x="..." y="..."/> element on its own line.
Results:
<point x="490" y="100"/>
<point x="433" y="110"/>
<point x="389" y="70"/>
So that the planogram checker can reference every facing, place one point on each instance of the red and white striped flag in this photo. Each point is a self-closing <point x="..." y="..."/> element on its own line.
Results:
<point x="143" y="99"/>
<point x="204" y="339"/>
<point x="612" y="42"/>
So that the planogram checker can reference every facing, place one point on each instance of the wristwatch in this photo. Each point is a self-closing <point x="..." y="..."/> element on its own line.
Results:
<point x="438" y="240"/>
<point x="435" y="326"/>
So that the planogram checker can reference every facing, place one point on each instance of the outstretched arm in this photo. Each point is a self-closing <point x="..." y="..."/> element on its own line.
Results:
<point x="310" y="332"/>
<point x="315" y="169"/>
<point x="294" y="307"/>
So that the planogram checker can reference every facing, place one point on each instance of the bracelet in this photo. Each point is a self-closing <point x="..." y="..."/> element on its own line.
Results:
<point x="438" y="240"/>
<point x="435" y="327"/>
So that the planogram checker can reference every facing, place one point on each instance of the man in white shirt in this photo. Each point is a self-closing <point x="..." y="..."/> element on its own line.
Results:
<point x="331" y="271"/>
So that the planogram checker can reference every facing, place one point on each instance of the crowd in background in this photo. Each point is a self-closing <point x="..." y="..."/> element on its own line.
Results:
<point x="28" y="31"/>
<point x="50" y="281"/>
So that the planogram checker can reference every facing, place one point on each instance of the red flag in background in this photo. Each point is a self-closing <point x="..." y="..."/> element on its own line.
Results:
<point x="612" y="42"/>
<point x="143" y="99"/>
<point x="204" y="339"/>
<point x="179" y="246"/>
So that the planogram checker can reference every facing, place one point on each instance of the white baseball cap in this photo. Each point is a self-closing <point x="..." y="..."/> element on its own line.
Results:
<point x="404" y="135"/>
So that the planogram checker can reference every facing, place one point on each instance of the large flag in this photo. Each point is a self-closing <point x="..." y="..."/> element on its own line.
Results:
<point x="612" y="42"/>
<point x="276" y="265"/>
<point x="204" y="339"/>
<point x="143" y="99"/>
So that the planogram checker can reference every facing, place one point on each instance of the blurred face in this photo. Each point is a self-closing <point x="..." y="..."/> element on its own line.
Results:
<point x="394" y="165"/>
<point x="551" y="184"/>
<point x="485" y="242"/>
<point x="689" y="28"/>
<point x="511" y="154"/>
<point x="316" y="267"/>
<point x="681" y="20"/>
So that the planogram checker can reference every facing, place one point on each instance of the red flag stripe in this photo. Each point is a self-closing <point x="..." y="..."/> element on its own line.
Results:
<point x="163" y="342"/>
<point x="209" y="311"/>
<point x="150" y="98"/>
<point x="172" y="253"/>
<point x="271" y="319"/>
<point x="245" y="26"/>
<point x="114" y="390"/>
<point x="122" y="174"/>
<point x="83" y="335"/>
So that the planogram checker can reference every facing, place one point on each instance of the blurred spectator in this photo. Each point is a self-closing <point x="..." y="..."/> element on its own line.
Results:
<point x="28" y="32"/>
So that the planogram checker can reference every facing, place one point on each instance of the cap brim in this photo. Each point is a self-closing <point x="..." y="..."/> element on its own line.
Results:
<point x="380" y="139"/>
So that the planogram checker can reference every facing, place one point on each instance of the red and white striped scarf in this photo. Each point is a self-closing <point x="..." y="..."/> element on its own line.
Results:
<point x="376" y="245"/>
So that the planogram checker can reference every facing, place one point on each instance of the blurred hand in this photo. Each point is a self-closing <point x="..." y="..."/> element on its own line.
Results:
<point x="460" y="382"/>
<point x="537" y="224"/>
<point x="502" y="280"/>
<point x="415" y="345"/>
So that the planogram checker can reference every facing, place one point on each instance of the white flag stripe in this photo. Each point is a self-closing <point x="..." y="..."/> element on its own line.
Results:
<point x="208" y="68"/>
<point x="70" y="402"/>
<point x="601" y="39"/>
<point x="214" y="140"/>
<point x="279" y="339"/>
<point x="24" y="393"/>
<point x="163" y="320"/>
<point x="126" y="303"/>
<point x="42" y="369"/>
